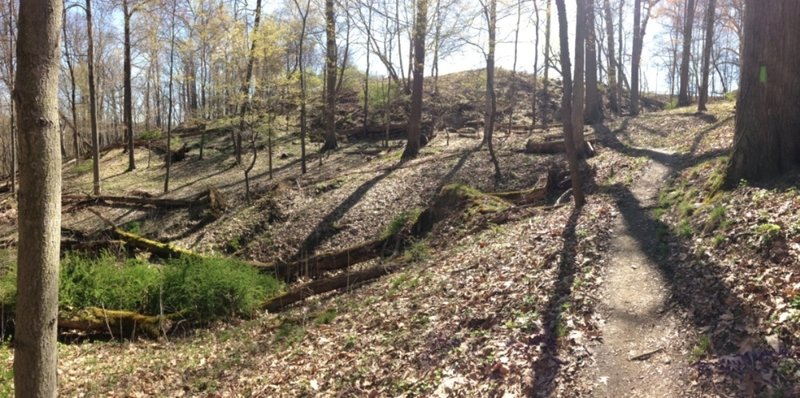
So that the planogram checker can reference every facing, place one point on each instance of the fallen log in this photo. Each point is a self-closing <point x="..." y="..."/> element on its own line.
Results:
<point x="216" y="202"/>
<point x="317" y="265"/>
<point x="347" y="279"/>
<point x="537" y="193"/>
<point x="126" y="323"/>
<point x="162" y="250"/>
<point x="536" y="146"/>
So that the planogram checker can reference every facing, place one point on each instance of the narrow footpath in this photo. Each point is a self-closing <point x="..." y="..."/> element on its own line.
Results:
<point x="643" y="352"/>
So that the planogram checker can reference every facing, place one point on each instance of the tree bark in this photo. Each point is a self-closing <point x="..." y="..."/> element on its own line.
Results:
<point x="766" y="142"/>
<point x="683" y="93"/>
<point x="490" y="12"/>
<point x="36" y="94"/>
<point x="301" y="65"/>
<point x="415" y="117"/>
<point x="709" y="44"/>
<point x="248" y="79"/>
<point x="127" y="101"/>
<point x="330" y="68"/>
<point x="636" y="56"/>
<point x="566" y="105"/>
<point x="613" y="91"/>
<point x="593" y="113"/>
<point x="169" y="90"/>
<point x="578" y="89"/>
<point x="93" y="101"/>
<point x="546" y="78"/>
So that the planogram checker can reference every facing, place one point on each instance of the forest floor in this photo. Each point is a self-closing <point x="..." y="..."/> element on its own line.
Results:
<point x="661" y="285"/>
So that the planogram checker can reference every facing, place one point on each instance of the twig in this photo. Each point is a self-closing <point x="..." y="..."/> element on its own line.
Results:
<point x="646" y="355"/>
<point x="563" y="196"/>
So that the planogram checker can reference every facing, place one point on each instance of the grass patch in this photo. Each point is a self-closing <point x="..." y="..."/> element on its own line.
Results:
<point x="701" y="348"/>
<point x="199" y="289"/>
<point x="715" y="218"/>
<point x="6" y="373"/>
<point x="325" y="317"/>
<point x="768" y="232"/>
<point x="83" y="167"/>
<point x="417" y="251"/>
<point x="684" y="229"/>
<point x="134" y="227"/>
<point x="400" y="221"/>
<point x="290" y="332"/>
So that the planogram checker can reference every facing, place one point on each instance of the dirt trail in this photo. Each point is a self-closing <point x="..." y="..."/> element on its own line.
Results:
<point x="635" y="311"/>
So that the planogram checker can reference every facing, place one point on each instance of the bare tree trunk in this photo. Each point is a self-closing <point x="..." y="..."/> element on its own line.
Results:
<point x="546" y="83"/>
<point x="73" y="100"/>
<point x="593" y="113"/>
<point x="11" y="29"/>
<point x="366" y="74"/>
<point x="613" y="90"/>
<point x="683" y="93"/>
<point x="703" y="98"/>
<point x="566" y="106"/>
<point x="766" y="142"/>
<point x="490" y="12"/>
<point x="169" y="91"/>
<point x="636" y="56"/>
<point x="128" y="102"/>
<point x="246" y="85"/>
<point x="578" y="91"/>
<point x="93" y="101"/>
<point x="534" y="88"/>
<point x="437" y="37"/>
<point x="330" y="70"/>
<point x="415" y="117"/>
<point x="36" y="93"/>
<point x="304" y="18"/>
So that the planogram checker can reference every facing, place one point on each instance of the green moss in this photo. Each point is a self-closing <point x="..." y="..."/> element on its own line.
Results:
<point x="400" y="221"/>
<point x="768" y="233"/>
<point x="325" y="317"/>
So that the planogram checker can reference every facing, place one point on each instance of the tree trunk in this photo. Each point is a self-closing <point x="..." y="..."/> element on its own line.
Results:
<point x="301" y="64"/>
<point x="613" y="92"/>
<point x="593" y="113"/>
<point x="683" y="93"/>
<point x="366" y="74"/>
<point x="127" y="101"/>
<point x="169" y="90"/>
<point x="534" y="85"/>
<point x="636" y="56"/>
<point x="566" y="105"/>
<point x="330" y="70"/>
<point x="246" y="85"/>
<point x="546" y="78"/>
<point x="490" y="12"/>
<point x="415" y="117"/>
<point x="72" y="93"/>
<point x="766" y="142"/>
<point x="36" y="94"/>
<point x="93" y="102"/>
<point x="578" y="90"/>
<point x="709" y="44"/>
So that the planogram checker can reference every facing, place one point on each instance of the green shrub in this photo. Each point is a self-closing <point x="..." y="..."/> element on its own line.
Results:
<point x="206" y="289"/>
<point x="8" y="280"/>
<point x="105" y="282"/>
<point x="151" y="135"/>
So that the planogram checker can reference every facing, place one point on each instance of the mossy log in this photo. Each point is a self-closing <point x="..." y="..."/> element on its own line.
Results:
<point x="537" y="193"/>
<point x="319" y="264"/>
<point x="458" y="199"/>
<point x="536" y="146"/>
<point x="116" y="323"/>
<point x="347" y="279"/>
<point x="163" y="250"/>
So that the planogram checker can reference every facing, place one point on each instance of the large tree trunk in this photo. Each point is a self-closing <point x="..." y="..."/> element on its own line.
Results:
<point x="330" y="70"/>
<point x="613" y="92"/>
<point x="36" y="93"/>
<point x="127" y="101"/>
<point x="566" y="105"/>
<point x="593" y="113"/>
<point x="683" y="93"/>
<point x="415" y="117"/>
<point x="169" y="90"/>
<point x="636" y="56"/>
<point x="93" y="101"/>
<point x="766" y="142"/>
<point x="709" y="44"/>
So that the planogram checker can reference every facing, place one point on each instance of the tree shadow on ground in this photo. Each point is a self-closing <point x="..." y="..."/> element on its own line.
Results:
<point x="697" y="285"/>
<point x="547" y="365"/>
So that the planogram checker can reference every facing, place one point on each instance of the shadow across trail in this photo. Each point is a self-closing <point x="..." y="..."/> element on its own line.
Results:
<point x="547" y="365"/>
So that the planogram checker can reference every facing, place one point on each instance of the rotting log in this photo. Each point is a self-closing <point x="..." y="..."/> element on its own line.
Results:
<point x="347" y="279"/>
<point x="317" y="265"/>
<point x="536" y="146"/>
<point x="117" y="323"/>
<point x="537" y="193"/>
<point x="211" y="196"/>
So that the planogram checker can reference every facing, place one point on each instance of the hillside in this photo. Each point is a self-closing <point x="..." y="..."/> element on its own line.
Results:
<point x="500" y="297"/>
